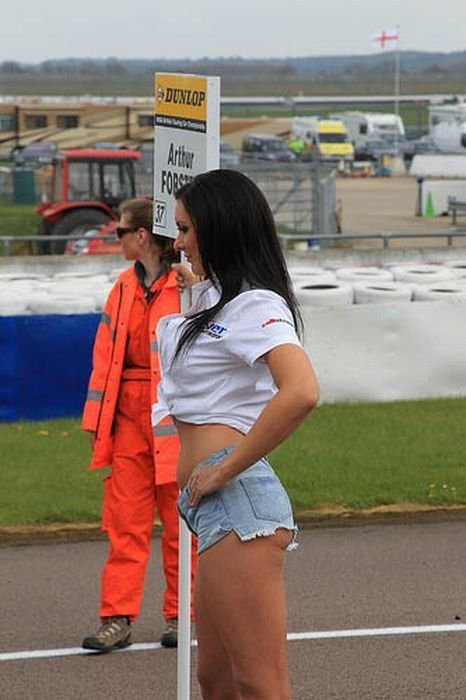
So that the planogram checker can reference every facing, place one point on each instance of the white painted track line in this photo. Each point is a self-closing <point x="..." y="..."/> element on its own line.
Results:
<point x="293" y="637"/>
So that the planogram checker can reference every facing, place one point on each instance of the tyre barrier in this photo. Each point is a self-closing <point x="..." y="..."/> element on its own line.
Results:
<point x="390" y="264"/>
<point x="308" y="271"/>
<point x="324" y="294"/>
<point x="86" y="292"/>
<point x="21" y="276"/>
<point x="13" y="306"/>
<point x="74" y="287"/>
<point x="18" y="290"/>
<point x="76" y="283"/>
<point x="382" y="292"/>
<point x="115" y="272"/>
<point x="444" y="291"/>
<point x="82" y="276"/>
<point x="458" y="265"/>
<point x="423" y="274"/>
<point x="17" y="284"/>
<point x="312" y="275"/>
<point x="62" y="293"/>
<point x="62" y="305"/>
<point x="14" y="299"/>
<point x="100" y="295"/>
<point x="323" y="279"/>
<point x="354" y="274"/>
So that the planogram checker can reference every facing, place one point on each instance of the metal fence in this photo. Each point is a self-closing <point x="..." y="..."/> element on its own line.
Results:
<point x="6" y="184"/>
<point x="302" y="196"/>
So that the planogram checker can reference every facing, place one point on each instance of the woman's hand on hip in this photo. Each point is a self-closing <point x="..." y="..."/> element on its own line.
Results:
<point x="202" y="483"/>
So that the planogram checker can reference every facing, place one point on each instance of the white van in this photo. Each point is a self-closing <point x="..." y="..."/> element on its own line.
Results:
<point x="364" y="127"/>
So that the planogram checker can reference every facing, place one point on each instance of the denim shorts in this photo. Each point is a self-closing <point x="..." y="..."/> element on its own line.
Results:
<point x="253" y="504"/>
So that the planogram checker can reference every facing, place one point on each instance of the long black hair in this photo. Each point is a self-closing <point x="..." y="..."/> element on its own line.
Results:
<point x="238" y="243"/>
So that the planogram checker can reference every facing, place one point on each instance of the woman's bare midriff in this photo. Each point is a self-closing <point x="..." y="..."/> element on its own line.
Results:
<point x="198" y="442"/>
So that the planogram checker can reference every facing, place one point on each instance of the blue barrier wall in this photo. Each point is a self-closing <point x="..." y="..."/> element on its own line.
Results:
<point x="45" y="363"/>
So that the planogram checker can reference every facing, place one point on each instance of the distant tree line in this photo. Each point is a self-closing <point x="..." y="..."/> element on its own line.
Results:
<point x="370" y="74"/>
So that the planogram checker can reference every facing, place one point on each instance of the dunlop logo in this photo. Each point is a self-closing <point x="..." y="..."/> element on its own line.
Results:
<point x="180" y="98"/>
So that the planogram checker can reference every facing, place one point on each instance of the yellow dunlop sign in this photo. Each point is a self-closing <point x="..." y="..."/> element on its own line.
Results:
<point x="181" y="102"/>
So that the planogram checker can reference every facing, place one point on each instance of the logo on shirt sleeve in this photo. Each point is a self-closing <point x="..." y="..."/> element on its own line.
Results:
<point x="276" y="320"/>
<point x="215" y="330"/>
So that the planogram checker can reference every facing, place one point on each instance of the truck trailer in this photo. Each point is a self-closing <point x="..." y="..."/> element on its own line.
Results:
<point x="365" y="128"/>
<point x="447" y="126"/>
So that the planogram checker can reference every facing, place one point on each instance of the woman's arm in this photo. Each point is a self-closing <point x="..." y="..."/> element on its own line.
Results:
<point x="297" y="395"/>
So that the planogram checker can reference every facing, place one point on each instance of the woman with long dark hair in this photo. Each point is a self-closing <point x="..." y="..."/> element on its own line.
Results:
<point x="237" y="383"/>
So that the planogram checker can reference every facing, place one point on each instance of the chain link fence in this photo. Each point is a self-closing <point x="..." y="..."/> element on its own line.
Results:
<point x="6" y="184"/>
<point x="302" y="196"/>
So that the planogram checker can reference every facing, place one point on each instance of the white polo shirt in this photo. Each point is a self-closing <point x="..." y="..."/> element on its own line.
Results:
<point x="222" y="377"/>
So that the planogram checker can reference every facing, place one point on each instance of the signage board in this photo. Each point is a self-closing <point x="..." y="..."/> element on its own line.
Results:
<point x="187" y="138"/>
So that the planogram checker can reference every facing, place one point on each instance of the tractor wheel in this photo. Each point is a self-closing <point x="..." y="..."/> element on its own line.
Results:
<point x="74" y="224"/>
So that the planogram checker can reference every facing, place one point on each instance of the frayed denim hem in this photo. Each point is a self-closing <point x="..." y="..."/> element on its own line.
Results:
<point x="271" y="531"/>
<point x="220" y="532"/>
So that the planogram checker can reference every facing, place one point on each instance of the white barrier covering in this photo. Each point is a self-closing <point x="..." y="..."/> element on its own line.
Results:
<point x="398" y="351"/>
<point x="382" y="292"/>
<point x="354" y="274"/>
<point x="324" y="278"/>
<point x="12" y="306"/>
<point x="445" y="291"/>
<point x="61" y="305"/>
<point x="115" y="272"/>
<point x="435" y="193"/>
<point x="438" y="165"/>
<point x="310" y="274"/>
<point x="424" y="274"/>
<point x="308" y="271"/>
<point x="458" y="265"/>
<point x="332" y="293"/>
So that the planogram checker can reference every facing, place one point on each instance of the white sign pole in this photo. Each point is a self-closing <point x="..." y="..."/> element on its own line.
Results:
<point x="183" y="676"/>
<point x="187" y="142"/>
<point x="183" y="684"/>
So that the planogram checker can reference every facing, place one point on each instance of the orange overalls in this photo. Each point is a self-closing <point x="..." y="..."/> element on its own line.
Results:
<point x="122" y="388"/>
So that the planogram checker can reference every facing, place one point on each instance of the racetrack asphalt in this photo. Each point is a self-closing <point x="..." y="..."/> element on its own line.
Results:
<point x="377" y="611"/>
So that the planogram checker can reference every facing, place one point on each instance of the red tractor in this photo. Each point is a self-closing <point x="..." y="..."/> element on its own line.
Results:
<point x="87" y="186"/>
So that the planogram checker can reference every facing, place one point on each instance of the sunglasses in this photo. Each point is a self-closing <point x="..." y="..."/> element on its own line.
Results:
<point x="121" y="230"/>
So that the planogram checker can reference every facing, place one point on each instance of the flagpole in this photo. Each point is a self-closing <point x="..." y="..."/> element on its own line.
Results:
<point x="397" y="82"/>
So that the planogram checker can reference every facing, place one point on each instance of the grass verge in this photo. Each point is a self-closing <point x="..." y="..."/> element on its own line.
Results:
<point x="368" y="455"/>
<point x="345" y="457"/>
<point x="19" y="220"/>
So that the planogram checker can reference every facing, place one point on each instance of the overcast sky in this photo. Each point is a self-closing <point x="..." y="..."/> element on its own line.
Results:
<point x="35" y="30"/>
